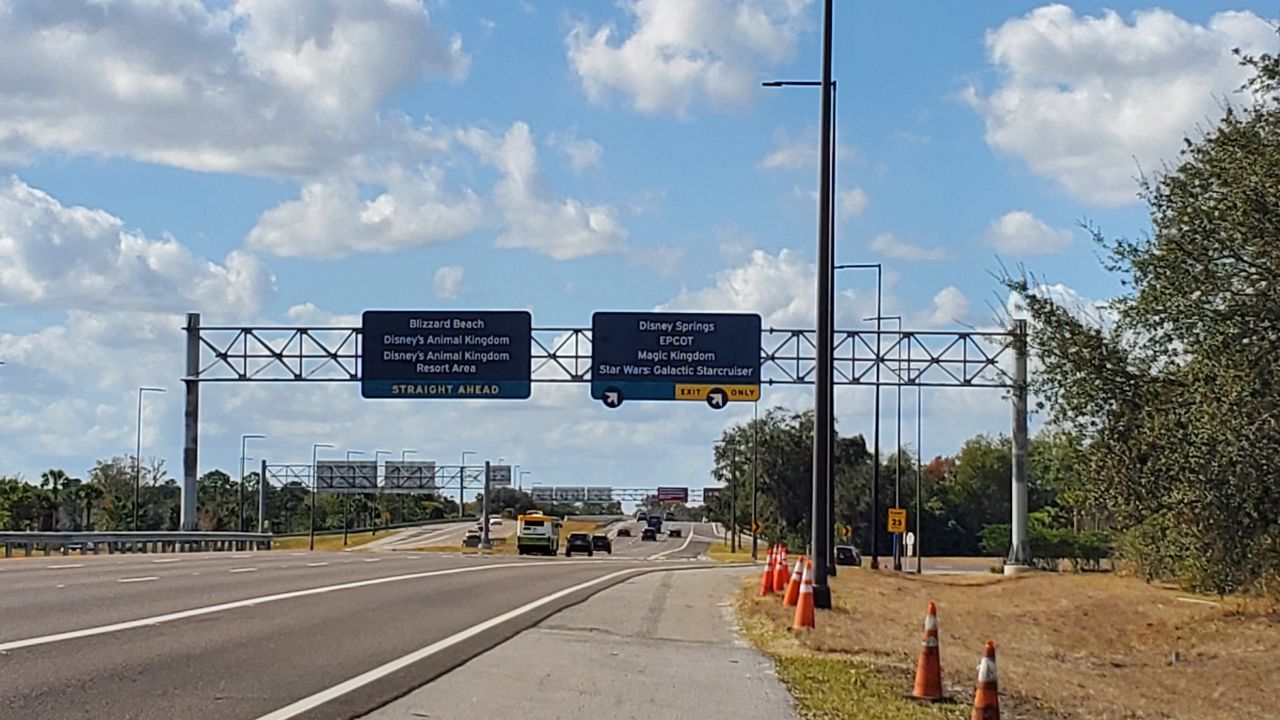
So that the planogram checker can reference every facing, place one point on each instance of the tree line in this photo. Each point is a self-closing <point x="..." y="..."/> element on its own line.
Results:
<point x="965" y="498"/>
<point x="104" y="501"/>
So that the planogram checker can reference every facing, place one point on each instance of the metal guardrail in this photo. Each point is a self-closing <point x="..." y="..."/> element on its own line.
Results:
<point x="143" y="541"/>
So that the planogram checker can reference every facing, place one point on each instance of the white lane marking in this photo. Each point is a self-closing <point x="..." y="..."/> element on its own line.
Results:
<point x="63" y="566"/>
<point x="250" y="602"/>
<point x="59" y="587"/>
<point x="241" y="556"/>
<point x="296" y="554"/>
<point x="237" y="570"/>
<point x="167" y="560"/>
<point x="664" y="553"/>
<point x="324" y="696"/>
<point x="373" y="559"/>
<point x="317" y="564"/>
<point x="149" y="578"/>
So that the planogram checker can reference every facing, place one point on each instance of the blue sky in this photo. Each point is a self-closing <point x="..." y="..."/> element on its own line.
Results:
<point x="298" y="162"/>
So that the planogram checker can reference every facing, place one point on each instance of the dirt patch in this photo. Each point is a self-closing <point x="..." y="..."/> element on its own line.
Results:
<point x="1088" y="646"/>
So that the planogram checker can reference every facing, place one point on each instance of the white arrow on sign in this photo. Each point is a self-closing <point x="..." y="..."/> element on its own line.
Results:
<point x="612" y="398"/>
<point x="716" y="398"/>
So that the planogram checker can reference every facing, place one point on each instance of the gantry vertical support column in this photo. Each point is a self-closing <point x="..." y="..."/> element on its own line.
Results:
<point x="1020" y="548"/>
<point x="191" y="443"/>
<point x="820" y="519"/>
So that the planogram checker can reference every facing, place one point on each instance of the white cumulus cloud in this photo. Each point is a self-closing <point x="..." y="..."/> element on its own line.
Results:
<point x="1019" y="233"/>
<point x="679" y="53"/>
<point x="583" y="153"/>
<point x="852" y="203"/>
<point x="1087" y="100"/>
<point x="255" y="86"/>
<point x="331" y="219"/>
<point x="56" y="256"/>
<point x="890" y="246"/>
<point x="447" y="282"/>
<point x="534" y="219"/>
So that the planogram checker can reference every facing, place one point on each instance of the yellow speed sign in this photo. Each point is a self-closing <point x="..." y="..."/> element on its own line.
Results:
<point x="897" y="520"/>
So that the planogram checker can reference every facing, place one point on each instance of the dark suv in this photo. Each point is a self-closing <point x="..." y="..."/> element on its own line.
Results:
<point x="602" y="542"/>
<point x="578" y="542"/>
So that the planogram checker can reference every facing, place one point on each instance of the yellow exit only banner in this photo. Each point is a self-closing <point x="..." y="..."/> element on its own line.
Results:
<point x="736" y="393"/>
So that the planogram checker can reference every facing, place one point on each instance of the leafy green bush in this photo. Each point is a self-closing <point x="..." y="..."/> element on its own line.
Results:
<point x="1051" y="545"/>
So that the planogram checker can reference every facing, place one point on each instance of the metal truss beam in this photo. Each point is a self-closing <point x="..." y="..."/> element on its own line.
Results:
<point x="563" y="355"/>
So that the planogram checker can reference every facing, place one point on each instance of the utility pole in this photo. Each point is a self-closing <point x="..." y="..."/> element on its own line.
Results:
<point x="485" y="544"/>
<point x="755" y="455"/>
<point x="820" y="519"/>
<point x="733" y="498"/>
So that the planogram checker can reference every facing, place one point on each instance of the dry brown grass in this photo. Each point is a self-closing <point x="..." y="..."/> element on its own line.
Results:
<point x="1088" y="646"/>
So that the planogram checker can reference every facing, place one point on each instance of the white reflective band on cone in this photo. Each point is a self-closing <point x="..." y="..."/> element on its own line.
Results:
<point x="930" y="622"/>
<point x="932" y="641"/>
<point x="986" y="670"/>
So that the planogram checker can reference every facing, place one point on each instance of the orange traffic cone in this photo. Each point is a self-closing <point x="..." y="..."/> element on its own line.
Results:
<point x="986" y="701"/>
<point x="766" y="581"/>
<point x="929" y="668"/>
<point x="792" y="595"/>
<point x="804" y="608"/>
<point x="780" y="571"/>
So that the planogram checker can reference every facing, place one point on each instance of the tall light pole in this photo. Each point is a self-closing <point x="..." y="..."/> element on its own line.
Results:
<point x="875" y="466"/>
<point x="315" y="490"/>
<point x="376" y="455"/>
<point x="137" y="456"/>
<point x="522" y="474"/>
<point x="755" y="456"/>
<point x="346" y="501"/>
<point x="404" y="454"/>
<point x="919" y="469"/>
<point x="243" y="441"/>
<point x="820" y="519"/>
<point x="830" y="472"/>
<point x="462" y="483"/>
<point x="897" y="457"/>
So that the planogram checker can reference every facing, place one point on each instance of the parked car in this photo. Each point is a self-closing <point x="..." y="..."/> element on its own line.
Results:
<point x="602" y="542"/>
<point x="649" y="534"/>
<point x="472" y="539"/>
<point x="848" y="555"/>
<point x="624" y="532"/>
<point x="578" y="542"/>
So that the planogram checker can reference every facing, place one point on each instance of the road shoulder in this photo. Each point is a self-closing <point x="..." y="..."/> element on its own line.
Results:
<point x="661" y="643"/>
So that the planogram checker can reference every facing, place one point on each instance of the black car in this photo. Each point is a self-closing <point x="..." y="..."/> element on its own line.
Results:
<point x="848" y="555"/>
<point x="649" y="534"/>
<point x="578" y="542"/>
<point x="624" y="532"/>
<point x="602" y="542"/>
<point x="675" y="532"/>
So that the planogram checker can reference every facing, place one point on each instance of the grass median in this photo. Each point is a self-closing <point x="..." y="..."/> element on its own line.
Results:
<point x="1069" y="647"/>
<point x="326" y="542"/>
<point x="720" y="552"/>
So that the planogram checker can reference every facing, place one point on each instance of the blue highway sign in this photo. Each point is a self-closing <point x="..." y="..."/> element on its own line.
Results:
<point x="712" y="357"/>
<point x="445" y="354"/>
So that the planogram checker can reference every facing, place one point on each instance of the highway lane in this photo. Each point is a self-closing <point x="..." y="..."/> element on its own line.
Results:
<point x="41" y="600"/>
<point x="691" y="545"/>
<point x="442" y="534"/>
<point x="259" y="656"/>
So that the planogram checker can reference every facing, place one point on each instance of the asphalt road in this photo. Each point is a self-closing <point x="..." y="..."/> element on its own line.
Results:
<point x="244" y="635"/>
<point x="693" y="543"/>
